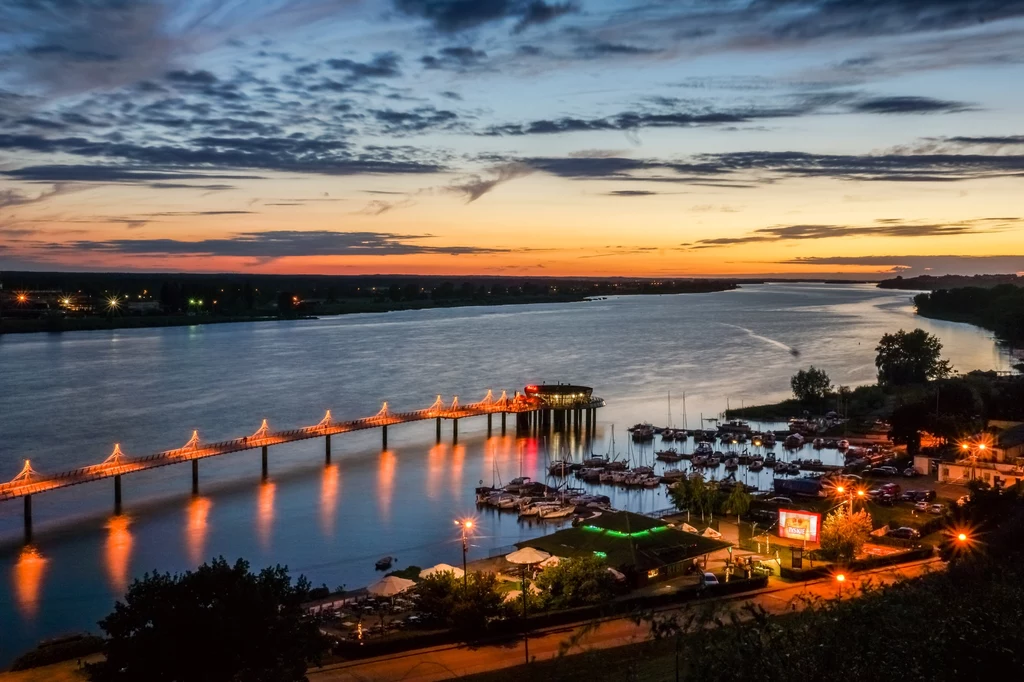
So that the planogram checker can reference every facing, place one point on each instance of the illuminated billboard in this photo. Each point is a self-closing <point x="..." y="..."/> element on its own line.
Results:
<point x="798" y="525"/>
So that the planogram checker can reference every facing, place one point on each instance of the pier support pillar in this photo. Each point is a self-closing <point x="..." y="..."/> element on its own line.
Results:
<point x="455" y="431"/>
<point x="489" y="416"/>
<point x="438" y="429"/>
<point x="195" y="477"/>
<point x="503" y="415"/>
<point x="384" y="437"/>
<point x="264" y="461"/>
<point x="327" y="449"/>
<point x="117" y="494"/>
<point x="28" y="518"/>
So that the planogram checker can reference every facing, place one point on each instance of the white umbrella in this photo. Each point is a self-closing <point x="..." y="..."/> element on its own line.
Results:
<point x="390" y="586"/>
<point x="710" y="532"/>
<point x="617" y="574"/>
<point x="527" y="555"/>
<point x="687" y="528"/>
<point x="550" y="561"/>
<point x="442" y="568"/>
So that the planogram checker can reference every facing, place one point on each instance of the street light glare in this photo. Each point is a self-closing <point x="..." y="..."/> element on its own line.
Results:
<point x="965" y="446"/>
<point x="981" y="446"/>
<point x="841" y="578"/>
<point x="840" y="489"/>
<point x="469" y="524"/>
<point x="962" y="537"/>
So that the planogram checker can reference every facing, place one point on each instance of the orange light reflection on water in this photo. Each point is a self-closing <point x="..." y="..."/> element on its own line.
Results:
<point x="435" y="469"/>
<point x="196" y="528"/>
<point x="118" y="552"/>
<point x="455" y="471"/>
<point x="330" y="486"/>
<point x="386" y="482"/>
<point x="265" y="513"/>
<point x="28" y="580"/>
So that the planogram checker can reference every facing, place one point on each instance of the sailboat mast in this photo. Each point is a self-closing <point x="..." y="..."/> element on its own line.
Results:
<point x="670" y="409"/>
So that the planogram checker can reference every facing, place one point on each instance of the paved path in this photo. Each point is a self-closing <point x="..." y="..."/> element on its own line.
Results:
<point x="444" y="663"/>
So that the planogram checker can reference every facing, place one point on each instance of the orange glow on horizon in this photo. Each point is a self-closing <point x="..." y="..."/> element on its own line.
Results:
<point x="28" y="580"/>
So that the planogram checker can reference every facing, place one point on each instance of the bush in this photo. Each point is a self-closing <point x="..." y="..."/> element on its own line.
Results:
<point x="843" y="534"/>
<point x="576" y="582"/>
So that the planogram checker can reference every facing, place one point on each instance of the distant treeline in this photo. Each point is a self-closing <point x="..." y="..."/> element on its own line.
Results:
<point x="1000" y="308"/>
<point x="933" y="283"/>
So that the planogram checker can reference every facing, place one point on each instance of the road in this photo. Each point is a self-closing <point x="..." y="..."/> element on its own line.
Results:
<point x="449" y="662"/>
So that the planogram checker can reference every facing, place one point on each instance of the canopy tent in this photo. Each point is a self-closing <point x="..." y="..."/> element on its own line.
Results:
<point x="442" y="568"/>
<point x="390" y="586"/>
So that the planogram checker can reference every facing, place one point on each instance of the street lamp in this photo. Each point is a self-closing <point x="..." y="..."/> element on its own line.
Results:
<point x="465" y="525"/>
<point x="841" y="578"/>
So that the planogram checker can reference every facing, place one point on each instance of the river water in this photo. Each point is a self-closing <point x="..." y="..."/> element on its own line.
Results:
<point x="66" y="399"/>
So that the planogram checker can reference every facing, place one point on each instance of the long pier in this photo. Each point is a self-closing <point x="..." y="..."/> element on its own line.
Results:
<point x="531" y="415"/>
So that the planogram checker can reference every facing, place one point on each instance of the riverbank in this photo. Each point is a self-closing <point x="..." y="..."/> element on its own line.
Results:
<point x="54" y="324"/>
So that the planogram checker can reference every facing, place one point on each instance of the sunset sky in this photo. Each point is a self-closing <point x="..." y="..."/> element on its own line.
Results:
<point x="547" y="137"/>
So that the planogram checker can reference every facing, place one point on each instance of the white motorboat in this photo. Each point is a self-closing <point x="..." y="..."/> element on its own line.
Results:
<point x="557" y="512"/>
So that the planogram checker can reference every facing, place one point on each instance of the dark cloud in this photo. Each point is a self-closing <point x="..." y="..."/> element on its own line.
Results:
<point x="631" y="193"/>
<point x="603" y="49"/>
<point x="909" y="105"/>
<point x="759" y="166"/>
<point x="538" y="12"/>
<point x="294" y="153"/>
<point x="454" y="58"/>
<point x="989" y="139"/>
<point x="415" y="120"/>
<point x="101" y="173"/>
<point x="456" y="15"/>
<point x="384" y="65"/>
<point x="668" y="112"/>
<point x="14" y="197"/>
<point x="279" y="244"/>
<point x="881" y="228"/>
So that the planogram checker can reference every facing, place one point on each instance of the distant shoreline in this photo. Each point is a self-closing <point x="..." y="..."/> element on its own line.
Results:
<point x="73" y="324"/>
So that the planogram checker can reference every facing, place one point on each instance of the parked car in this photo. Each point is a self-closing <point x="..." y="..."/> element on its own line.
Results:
<point x="886" y="500"/>
<point x="909" y="496"/>
<point x="891" y="488"/>
<point x="886" y="471"/>
<point x="779" y="500"/>
<point x="921" y="506"/>
<point x="937" y="509"/>
<point x="925" y="495"/>
<point x="911" y="472"/>
<point x="905" y="533"/>
<point x="709" y="579"/>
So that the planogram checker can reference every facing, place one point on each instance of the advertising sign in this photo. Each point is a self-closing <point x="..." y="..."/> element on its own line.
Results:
<point x="798" y="525"/>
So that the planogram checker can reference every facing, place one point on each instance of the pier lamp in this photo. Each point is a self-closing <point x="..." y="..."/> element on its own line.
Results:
<point x="466" y="525"/>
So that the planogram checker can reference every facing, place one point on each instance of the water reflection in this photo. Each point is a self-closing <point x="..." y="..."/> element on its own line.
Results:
<point x="196" y="529"/>
<point x="435" y="469"/>
<point x="265" y="513"/>
<point x="386" y="482"/>
<point x="28" y="580"/>
<point x="455" y="470"/>
<point x="329" y="487"/>
<point x="118" y="552"/>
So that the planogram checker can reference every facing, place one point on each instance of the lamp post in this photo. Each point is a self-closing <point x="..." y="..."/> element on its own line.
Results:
<point x="465" y="525"/>
<point x="841" y="578"/>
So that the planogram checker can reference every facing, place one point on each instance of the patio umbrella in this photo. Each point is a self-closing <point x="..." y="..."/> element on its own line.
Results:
<point x="526" y="557"/>
<point x="442" y="568"/>
<point x="687" y="528"/>
<point x="390" y="586"/>
<point x="550" y="561"/>
<point x="710" y="532"/>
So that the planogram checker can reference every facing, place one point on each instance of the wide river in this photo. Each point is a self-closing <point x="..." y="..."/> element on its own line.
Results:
<point x="66" y="399"/>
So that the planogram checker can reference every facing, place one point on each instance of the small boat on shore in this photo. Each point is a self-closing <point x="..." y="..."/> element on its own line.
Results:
<point x="669" y="455"/>
<point x="384" y="563"/>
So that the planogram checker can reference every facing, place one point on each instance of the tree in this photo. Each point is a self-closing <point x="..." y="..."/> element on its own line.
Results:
<point x="843" y="534"/>
<point x="576" y="581"/>
<point x="693" y="493"/>
<point x="811" y="385"/>
<point x="910" y="358"/>
<point x="738" y="502"/>
<point x="468" y="608"/>
<point x="217" y="623"/>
